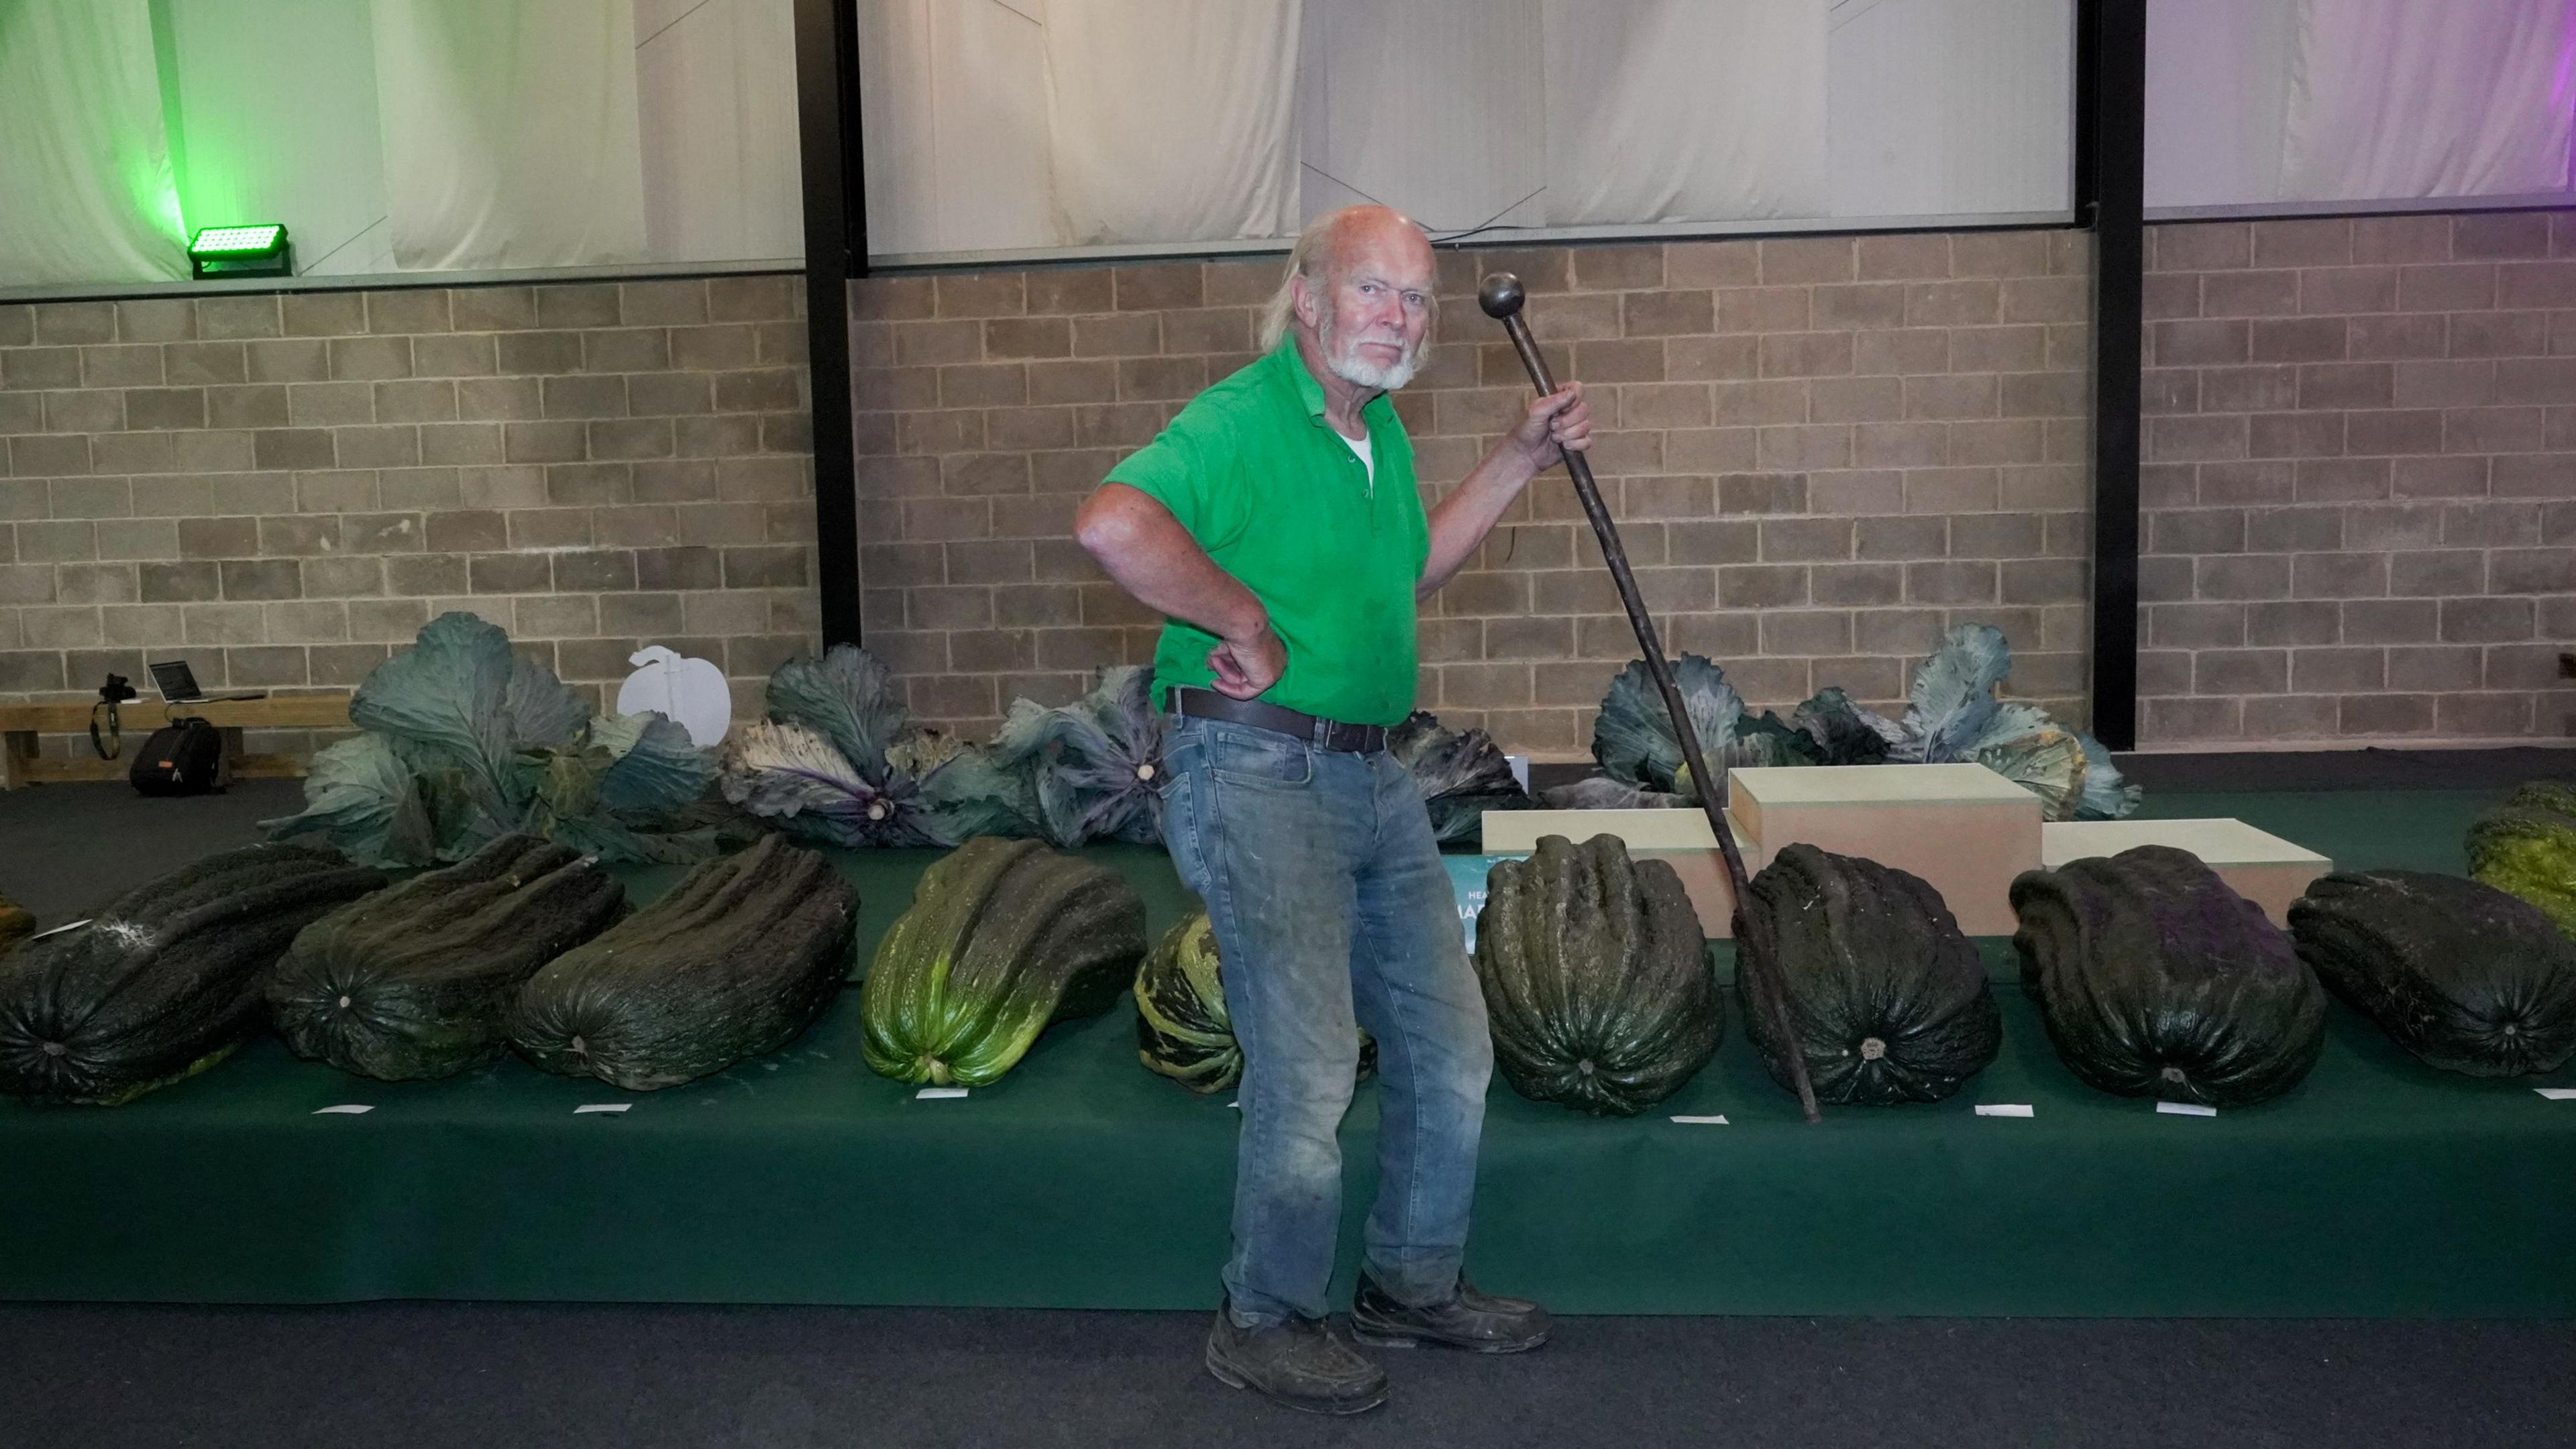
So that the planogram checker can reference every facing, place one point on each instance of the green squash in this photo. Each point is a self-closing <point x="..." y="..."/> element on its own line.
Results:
<point x="15" y="924"/>
<point x="2527" y="846"/>
<point x="1596" y="977"/>
<point x="2463" y="975"/>
<point x="734" y="962"/>
<point x="1886" y="996"/>
<point x="2156" y="979"/>
<point x="1182" y="1029"/>
<point x="1003" y="937"/>
<point x="165" y="980"/>
<point x="418" y="981"/>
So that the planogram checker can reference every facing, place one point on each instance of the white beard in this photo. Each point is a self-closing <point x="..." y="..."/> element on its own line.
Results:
<point x="1359" y="372"/>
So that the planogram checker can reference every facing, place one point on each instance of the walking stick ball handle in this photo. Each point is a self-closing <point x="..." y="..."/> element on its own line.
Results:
<point x="1501" y="295"/>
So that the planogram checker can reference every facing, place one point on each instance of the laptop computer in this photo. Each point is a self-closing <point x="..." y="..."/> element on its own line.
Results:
<point x="178" y="685"/>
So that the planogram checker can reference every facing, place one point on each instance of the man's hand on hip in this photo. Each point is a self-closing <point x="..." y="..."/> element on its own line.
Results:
<point x="1245" y="667"/>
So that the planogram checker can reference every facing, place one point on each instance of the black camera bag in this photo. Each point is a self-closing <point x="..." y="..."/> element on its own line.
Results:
<point x="183" y="757"/>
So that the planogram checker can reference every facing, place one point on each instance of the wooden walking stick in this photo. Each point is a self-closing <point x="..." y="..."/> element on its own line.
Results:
<point x="1501" y="297"/>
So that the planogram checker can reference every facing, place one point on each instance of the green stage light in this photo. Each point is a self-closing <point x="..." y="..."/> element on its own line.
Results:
<point x="241" y="251"/>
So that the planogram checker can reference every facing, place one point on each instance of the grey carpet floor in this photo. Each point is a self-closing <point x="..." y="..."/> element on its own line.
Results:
<point x="404" y="1375"/>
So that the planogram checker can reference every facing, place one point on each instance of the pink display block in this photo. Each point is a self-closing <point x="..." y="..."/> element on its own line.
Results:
<point x="1964" y="829"/>
<point x="1680" y="838"/>
<point x="2262" y="867"/>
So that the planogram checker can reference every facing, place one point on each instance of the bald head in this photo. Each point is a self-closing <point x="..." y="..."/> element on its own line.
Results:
<point x="1359" y="290"/>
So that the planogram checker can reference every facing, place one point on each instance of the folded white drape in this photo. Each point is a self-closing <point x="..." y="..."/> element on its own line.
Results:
<point x="952" y="97"/>
<point x="87" y="192"/>
<point x="1172" y="120"/>
<point x="717" y="88"/>
<point x="510" y="132"/>
<point x="2404" y="98"/>
<point x="1685" y="110"/>
<point x="1434" y="107"/>
<point x="277" y="115"/>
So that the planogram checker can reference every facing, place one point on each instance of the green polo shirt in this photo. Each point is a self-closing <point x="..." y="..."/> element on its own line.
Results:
<point x="1279" y="500"/>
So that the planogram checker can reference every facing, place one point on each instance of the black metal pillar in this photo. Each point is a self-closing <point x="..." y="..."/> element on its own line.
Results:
<point x="836" y="250"/>
<point x="2110" y="179"/>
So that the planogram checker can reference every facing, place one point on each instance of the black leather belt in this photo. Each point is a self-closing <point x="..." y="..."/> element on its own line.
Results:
<point x="1325" y="734"/>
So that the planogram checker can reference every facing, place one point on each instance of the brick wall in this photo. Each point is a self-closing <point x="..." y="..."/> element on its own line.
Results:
<point x="1822" y="452"/>
<point x="2360" y="483"/>
<point x="284" y="488"/>
<point x="2360" y="490"/>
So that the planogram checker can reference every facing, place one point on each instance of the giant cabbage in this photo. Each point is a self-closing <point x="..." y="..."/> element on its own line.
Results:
<point x="839" y="760"/>
<point x="1953" y="715"/>
<point x="463" y="740"/>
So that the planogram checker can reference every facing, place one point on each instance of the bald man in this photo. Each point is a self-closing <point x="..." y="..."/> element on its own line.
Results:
<point x="1277" y="527"/>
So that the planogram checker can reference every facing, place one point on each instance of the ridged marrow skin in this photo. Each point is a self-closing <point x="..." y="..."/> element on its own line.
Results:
<point x="166" y="980"/>
<point x="1003" y="937"/>
<point x="1596" y="977"/>
<point x="1886" y="995"/>
<point x="418" y="981"/>
<point x="735" y="962"/>
<point x="15" y="925"/>
<point x="2156" y="979"/>
<point x="2463" y="975"/>
<point x="2527" y="847"/>
<point x="1183" y="1030"/>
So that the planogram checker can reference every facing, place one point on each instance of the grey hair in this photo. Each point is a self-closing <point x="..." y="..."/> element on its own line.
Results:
<point x="1306" y="259"/>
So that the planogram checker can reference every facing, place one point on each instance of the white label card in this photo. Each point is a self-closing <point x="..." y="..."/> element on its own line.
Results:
<point x="345" y="1109"/>
<point x="935" y="1094"/>
<point x="1716" y="1121"/>
<point x="601" y="1107"/>
<point x="2557" y="1094"/>
<point x="2186" y="1109"/>
<point x="2003" y="1109"/>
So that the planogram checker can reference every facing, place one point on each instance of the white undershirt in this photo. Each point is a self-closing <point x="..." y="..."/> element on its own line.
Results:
<point x="1367" y="456"/>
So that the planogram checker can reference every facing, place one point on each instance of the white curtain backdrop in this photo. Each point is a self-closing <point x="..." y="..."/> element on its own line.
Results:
<point x="2218" y="90"/>
<point x="1172" y="120"/>
<point x="87" y="192"/>
<point x="952" y="97"/>
<point x="277" y="105"/>
<point x="1434" y="107"/>
<point x="716" y="87"/>
<point x="2400" y="98"/>
<point x="511" y="137"/>
<point x="1952" y="107"/>
<point x="2257" y="101"/>
<point x="1685" y="110"/>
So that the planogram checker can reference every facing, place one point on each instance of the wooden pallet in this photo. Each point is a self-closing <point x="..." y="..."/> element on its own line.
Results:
<point x="20" y="724"/>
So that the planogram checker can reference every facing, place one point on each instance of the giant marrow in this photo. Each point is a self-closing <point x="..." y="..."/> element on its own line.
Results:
<point x="2462" y="974"/>
<point x="1003" y="937"/>
<point x="15" y="924"/>
<point x="2527" y="846"/>
<point x="418" y="981"/>
<point x="1596" y="977"/>
<point x="1183" y="1030"/>
<point x="164" y="981"/>
<point x="1886" y="996"/>
<point x="2156" y="979"/>
<point x="736" y="961"/>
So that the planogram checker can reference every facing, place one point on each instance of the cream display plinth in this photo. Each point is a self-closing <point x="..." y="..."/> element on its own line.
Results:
<point x="1963" y="828"/>
<point x="2256" y="864"/>
<point x="1679" y="837"/>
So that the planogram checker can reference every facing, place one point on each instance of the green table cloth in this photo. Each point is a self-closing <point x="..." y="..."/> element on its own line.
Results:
<point x="2378" y="1187"/>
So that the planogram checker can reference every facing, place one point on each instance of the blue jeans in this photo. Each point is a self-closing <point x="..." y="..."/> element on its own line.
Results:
<point x="1331" y="908"/>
